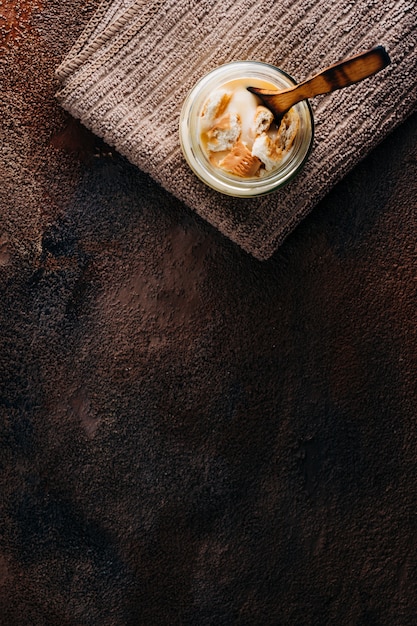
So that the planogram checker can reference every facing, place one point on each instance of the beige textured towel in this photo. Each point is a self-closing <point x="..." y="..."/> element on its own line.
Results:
<point x="128" y="74"/>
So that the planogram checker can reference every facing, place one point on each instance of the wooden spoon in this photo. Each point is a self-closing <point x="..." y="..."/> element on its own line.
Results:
<point x="334" y="77"/>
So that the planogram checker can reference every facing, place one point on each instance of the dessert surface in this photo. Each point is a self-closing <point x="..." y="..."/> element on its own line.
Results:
<point x="239" y="134"/>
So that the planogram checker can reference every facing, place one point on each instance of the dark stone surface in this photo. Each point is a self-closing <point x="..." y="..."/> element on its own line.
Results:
<point x="189" y="436"/>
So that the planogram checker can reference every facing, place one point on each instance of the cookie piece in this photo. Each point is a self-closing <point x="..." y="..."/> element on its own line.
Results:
<point x="265" y="149"/>
<point x="241" y="162"/>
<point x="263" y="119"/>
<point x="215" y="106"/>
<point x="225" y="133"/>
<point x="288" y="129"/>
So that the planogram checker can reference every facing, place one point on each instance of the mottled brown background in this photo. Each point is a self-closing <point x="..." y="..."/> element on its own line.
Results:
<point x="189" y="436"/>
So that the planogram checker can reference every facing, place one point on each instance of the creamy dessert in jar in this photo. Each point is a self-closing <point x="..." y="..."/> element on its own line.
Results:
<point x="240" y="135"/>
<point x="230" y="139"/>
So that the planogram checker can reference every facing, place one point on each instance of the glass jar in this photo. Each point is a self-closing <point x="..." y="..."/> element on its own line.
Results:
<point x="257" y="74"/>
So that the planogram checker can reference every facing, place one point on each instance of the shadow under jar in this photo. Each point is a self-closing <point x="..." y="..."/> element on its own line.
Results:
<point x="205" y="164"/>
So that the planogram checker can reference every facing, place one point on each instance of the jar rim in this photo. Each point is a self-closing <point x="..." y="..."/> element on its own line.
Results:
<point x="197" y="160"/>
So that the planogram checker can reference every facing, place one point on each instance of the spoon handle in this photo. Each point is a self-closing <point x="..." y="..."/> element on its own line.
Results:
<point x="334" y="77"/>
<point x="346" y="72"/>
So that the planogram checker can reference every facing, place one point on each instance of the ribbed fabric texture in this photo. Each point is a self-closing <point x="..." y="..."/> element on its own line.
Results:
<point x="127" y="76"/>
